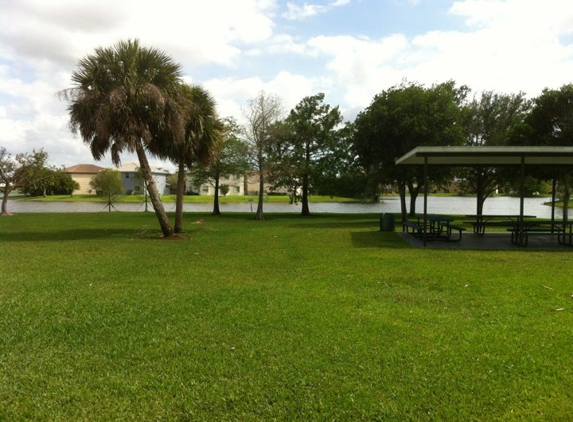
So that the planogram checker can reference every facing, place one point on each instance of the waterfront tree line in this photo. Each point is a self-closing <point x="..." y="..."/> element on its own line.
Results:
<point x="130" y="98"/>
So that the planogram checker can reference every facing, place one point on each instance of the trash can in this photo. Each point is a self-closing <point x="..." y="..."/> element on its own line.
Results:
<point x="387" y="222"/>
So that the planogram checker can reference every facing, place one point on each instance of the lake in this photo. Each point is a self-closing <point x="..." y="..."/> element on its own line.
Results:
<point x="436" y="205"/>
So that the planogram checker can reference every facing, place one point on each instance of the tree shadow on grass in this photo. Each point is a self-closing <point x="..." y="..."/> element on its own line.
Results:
<point x="336" y="224"/>
<point x="88" y="234"/>
<point x="377" y="239"/>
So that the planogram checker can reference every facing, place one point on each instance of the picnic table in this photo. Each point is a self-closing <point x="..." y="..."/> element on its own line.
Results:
<point x="435" y="227"/>
<point x="563" y="231"/>
<point x="480" y="222"/>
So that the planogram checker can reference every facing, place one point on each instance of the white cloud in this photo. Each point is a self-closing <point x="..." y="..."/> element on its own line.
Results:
<point x="503" y="45"/>
<point x="295" y="12"/>
<point x="42" y="42"/>
<point x="362" y="66"/>
<point x="233" y="94"/>
<point x="339" y="3"/>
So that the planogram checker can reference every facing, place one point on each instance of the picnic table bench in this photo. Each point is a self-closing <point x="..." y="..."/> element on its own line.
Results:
<point x="438" y="227"/>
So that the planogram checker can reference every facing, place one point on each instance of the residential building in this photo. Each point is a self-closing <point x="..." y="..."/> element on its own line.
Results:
<point x="83" y="173"/>
<point x="252" y="186"/>
<point x="236" y="184"/>
<point x="133" y="184"/>
<point x="239" y="185"/>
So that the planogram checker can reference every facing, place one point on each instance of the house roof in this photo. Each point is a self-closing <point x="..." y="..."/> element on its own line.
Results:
<point x="488" y="156"/>
<point x="83" y="169"/>
<point x="132" y="168"/>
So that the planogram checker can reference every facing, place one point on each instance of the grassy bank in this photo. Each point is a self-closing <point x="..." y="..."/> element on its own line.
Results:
<point x="321" y="318"/>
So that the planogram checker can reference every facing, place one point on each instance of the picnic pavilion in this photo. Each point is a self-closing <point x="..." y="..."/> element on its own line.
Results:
<point x="483" y="156"/>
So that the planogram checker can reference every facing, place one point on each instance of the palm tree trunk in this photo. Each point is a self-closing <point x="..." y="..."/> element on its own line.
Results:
<point x="164" y="223"/>
<point x="179" y="198"/>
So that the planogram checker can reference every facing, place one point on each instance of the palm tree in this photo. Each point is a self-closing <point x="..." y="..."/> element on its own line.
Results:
<point x="123" y="100"/>
<point x="202" y="135"/>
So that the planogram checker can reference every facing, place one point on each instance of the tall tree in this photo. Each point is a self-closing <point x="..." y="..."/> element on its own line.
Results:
<point x="231" y="160"/>
<point x="51" y="181"/>
<point x="120" y="101"/>
<point x="18" y="172"/>
<point x="342" y="172"/>
<point x="550" y="123"/>
<point x="262" y="115"/>
<point x="107" y="182"/>
<point x="303" y="152"/>
<point x="490" y="120"/>
<point x="400" y="119"/>
<point x="200" y="142"/>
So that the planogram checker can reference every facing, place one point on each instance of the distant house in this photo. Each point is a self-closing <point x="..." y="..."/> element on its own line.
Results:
<point x="236" y="184"/>
<point x="83" y="173"/>
<point x="252" y="186"/>
<point x="133" y="184"/>
<point x="239" y="185"/>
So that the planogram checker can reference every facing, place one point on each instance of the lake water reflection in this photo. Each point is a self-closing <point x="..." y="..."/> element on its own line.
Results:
<point x="436" y="205"/>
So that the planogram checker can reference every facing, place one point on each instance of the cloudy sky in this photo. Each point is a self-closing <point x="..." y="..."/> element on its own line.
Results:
<point x="349" y="49"/>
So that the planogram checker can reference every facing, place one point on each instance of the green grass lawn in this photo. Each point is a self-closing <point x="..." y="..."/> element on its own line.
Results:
<point x="323" y="318"/>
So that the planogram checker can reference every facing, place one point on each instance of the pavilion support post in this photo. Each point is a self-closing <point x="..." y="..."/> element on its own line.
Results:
<point x="425" y="198"/>
<point x="553" y="198"/>
<point x="521" y="238"/>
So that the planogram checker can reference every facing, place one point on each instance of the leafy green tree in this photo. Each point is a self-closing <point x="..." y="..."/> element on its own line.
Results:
<point x="302" y="154"/>
<point x="51" y="181"/>
<point x="22" y="170"/>
<point x="260" y="131"/>
<point x="64" y="184"/>
<point x="107" y="182"/>
<point x="125" y="98"/>
<point x="400" y="119"/>
<point x="231" y="160"/>
<point x="224" y="189"/>
<point x="490" y="120"/>
<point x="343" y="173"/>
<point x="550" y="123"/>
<point x="172" y="182"/>
<point x="40" y="185"/>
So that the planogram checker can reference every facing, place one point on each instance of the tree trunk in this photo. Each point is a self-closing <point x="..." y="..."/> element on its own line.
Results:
<point x="164" y="223"/>
<point x="414" y="192"/>
<point x="479" y="191"/>
<point x="566" y="197"/>
<point x="216" y="210"/>
<point x="5" y="202"/>
<point x="305" y="208"/>
<point x="179" y="198"/>
<point x="403" y="209"/>
<point x="480" y="200"/>
<point x="259" y="215"/>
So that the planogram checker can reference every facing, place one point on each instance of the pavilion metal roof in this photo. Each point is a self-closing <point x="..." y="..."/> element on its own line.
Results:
<point x="488" y="156"/>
